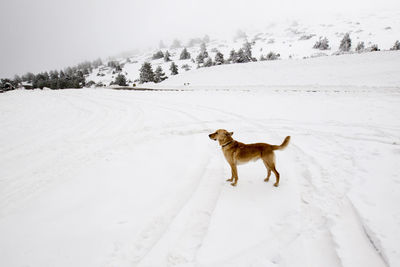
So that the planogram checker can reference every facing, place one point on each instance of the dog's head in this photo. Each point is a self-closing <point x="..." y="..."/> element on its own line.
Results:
<point x="221" y="135"/>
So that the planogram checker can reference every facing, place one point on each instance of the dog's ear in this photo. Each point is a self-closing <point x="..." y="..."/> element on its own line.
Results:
<point x="230" y="133"/>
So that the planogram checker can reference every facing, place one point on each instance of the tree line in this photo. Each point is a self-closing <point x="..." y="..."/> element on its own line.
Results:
<point x="70" y="77"/>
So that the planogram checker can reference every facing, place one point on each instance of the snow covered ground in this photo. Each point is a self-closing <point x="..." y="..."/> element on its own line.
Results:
<point x="99" y="177"/>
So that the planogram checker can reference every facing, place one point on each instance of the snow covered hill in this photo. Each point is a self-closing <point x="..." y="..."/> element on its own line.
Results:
<point x="292" y="39"/>
<point x="368" y="71"/>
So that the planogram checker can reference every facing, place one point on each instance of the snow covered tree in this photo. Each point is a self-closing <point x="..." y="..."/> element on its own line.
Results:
<point x="247" y="52"/>
<point x="270" y="56"/>
<point x="184" y="54"/>
<point x="207" y="62"/>
<point x="186" y="67"/>
<point x="115" y="65"/>
<point x="233" y="56"/>
<point x="396" y="46"/>
<point x="360" y="47"/>
<point x="219" y="58"/>
<point x="241" y="57"/>
<point x="203" y="50"/>
<point x="200" y="58"/>
<point x="203" y="53"/>
<point x="159" y="75"/>
<point x="146" y="73"/>
<point x="167" y="56"/>
<point x="374" y="48"/>
<point x="17" y="80"/>
<point x="120" y="80"/>
<point x="322" y="44"/>
<point x="28" y="77"/>
<point x="173" y="68"/>
<point x="159" y="54"/>
<point x="345" y="43"/>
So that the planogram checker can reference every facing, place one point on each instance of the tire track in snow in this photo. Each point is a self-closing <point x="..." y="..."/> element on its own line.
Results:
<point x="201" y="207"/>
<point x="328" y="195"/>
<point x="354" y="244"/>
<point x="56" y="156"/>
<point x="158" y="225"/>
<point x="315" y="231"/>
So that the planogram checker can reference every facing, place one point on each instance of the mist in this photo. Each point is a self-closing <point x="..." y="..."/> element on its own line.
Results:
<point x="52" y="34"/>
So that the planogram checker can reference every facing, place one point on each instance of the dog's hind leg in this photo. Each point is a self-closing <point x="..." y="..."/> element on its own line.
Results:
<point x="269" y="172"/>
<point x="276" y="175"/>
<point x="269" y="162"/>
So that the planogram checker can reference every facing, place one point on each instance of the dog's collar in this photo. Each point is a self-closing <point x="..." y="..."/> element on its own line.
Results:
<point x="224" y="145"/>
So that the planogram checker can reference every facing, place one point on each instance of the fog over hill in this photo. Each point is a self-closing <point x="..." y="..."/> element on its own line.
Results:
<point x="45" y="35"/>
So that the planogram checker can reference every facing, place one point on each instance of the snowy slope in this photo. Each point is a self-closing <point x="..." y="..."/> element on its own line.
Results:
<point x="286" y="37"/>
<point x="98" y="177"/>
<point x="362" y="71"/>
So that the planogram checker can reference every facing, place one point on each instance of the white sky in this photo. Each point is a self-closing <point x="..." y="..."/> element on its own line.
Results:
<point x="40" y="35"/>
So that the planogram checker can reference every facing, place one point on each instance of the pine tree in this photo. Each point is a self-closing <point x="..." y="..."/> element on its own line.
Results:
<point x="233" y="57"/>
<point x="120" y="80"/>
<point x="17" y="80"/>
<point x="186" y="67"/>
<point x="396" y="46"/>
<point x="360" y="47"/>
<point x="247" y="52"/>
<point x="167" y="56"/>
<point x="203" y="54"/>
<point x="159" y="75"/>
<point x="374" y="47"/>
<point x="241" y="57"/>
<point x="270" y="56"/>
<point x="203" y="50"/>
<point x="200" y="58"/>
<point x="159" y="54"/>
<point x="146" y="73"/>
<point x="345" y="44"/>
<point x="322" y="44"/>
<point x="173" y="68"/>
<point x="184" y="54"/>
<point x="208" y="62"/>
<point x="28" y="77"/>
<point x="219" y="58"/>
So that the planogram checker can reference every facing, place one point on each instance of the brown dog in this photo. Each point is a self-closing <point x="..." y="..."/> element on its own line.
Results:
<point x="238" y="153"/>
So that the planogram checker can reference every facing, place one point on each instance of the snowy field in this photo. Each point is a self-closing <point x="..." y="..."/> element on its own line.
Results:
<point x="99" y="177"/>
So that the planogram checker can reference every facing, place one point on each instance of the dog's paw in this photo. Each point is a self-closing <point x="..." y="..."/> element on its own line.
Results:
<point x="266" y="179"/>
<point x="229" y="180"/>
<point x="276" y="184"/>
<point x="233" y="184"/>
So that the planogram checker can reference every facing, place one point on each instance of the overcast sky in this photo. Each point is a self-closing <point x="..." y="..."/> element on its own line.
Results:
<point x="39" y="35"/>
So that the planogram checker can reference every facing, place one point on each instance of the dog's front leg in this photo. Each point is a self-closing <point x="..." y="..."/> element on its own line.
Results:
<point x="234" y="174"/>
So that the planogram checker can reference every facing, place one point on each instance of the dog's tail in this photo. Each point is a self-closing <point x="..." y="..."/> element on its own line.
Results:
<point x="283" y="145"/>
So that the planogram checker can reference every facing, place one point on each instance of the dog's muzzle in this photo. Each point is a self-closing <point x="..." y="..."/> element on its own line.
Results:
<point x="211" y="137"/>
